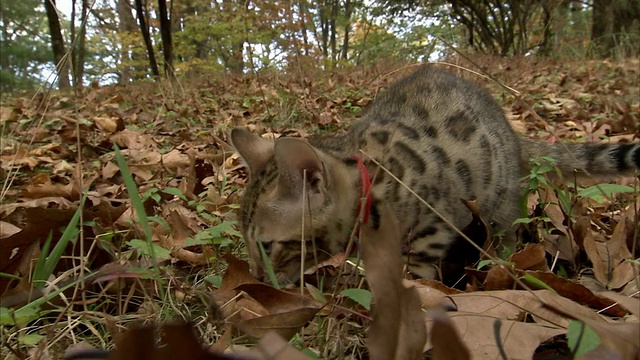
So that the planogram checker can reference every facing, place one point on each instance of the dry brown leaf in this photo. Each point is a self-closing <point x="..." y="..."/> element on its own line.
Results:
<point x="176" y="160"/>
<point x="138" y="343"/>
<point x="259" y="307"/>
<point x="445" y="339"/>
<point x="107" y="124"/>
<point x="512" y="304"/>
<point x="287" y="312"/>
<point x="70" y="191"/>
<point x="553" y="210"/>
<point x="397" y="330"/>
<point x="532" y="257"/>
<point x="620" y="338"/>
<point x="498" y="278"/>
<point x="518" y="339"/>
<point x="561" y="246"/>
<point x="8" y="229"/>
<point x="131" y="139"/>
<point x="578" y="293"/>
<point x="430" y="295"/>
<point x="608" y="257"/>
<point x="36" y="218"/>
<point x="274" y="347"/>
<point x="109" y="170"/>
<point x="632" y="304"/>
<point x="237" y="273"/>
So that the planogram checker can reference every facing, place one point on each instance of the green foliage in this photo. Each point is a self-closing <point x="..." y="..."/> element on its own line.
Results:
<point x="48" y="261"/>
<point x="539" y="168"/>
<point x="483" y="263"/>
<point x="601" y="191"/>
<point x="215" y="280"/>
<point x="221" y="235"/>
<point x="24" y="45"/>
<point x="152" y="250"/>
<point x="136" y="201"/>
<point x="534" y="281"/>
<point x="146" y="247"/>
<point x="581" y="338"/>
<point x="361" y="296"/>
<point x="268" y="267"/>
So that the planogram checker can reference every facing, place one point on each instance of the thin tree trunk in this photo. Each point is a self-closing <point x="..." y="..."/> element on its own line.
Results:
<point x="332" y="31"/>
<point x="348" y="8"/>
<point x="165" y="32"/>
<point x="324" y="28"/>
<point x="303" y="25"/>
<point x="144" y="29"/>
<point x="57" y="44"/>
<point x="126" y="25"/>
<point x="79" y="48"/>
<point x="235" y="61"/>
<point x="72" y="31"/>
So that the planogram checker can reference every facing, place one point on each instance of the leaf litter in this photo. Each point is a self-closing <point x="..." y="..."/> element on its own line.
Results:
<point x="189" y="180"/>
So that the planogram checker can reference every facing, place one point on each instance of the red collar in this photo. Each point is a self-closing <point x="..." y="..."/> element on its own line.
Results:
<point x="365" y="191"/>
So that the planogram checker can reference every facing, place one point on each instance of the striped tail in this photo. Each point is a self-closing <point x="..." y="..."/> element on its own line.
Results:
<point x="588" y="159"/>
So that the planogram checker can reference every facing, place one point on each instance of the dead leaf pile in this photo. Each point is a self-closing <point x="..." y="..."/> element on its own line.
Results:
<point x="59" y="147"/>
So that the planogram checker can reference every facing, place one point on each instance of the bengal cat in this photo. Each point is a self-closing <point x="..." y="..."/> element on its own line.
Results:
<point x="444" y="137"/>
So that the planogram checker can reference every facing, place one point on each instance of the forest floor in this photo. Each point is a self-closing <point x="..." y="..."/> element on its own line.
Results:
<point x="156" y="239"/>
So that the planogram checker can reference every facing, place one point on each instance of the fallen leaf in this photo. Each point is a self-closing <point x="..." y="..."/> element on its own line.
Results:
<point x="578" y="293"/>
<point x="397" y="330"/>
<point x="632" y="304"/>
<point x="445" y="339"/>
<point x="259" y="308"/>
<point x="107" y="124"/>
<point x="286" y="312"/>
<point x="532" y="257"/>
<point x="518" y="339"/>
<point x="513" y="304"/>
<point x="608" y="257"/>
<point x="274" y="347"/>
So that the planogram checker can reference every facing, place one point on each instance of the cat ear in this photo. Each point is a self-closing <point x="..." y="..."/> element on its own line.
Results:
<point x="254" y="150"/>
<point x="294" y="156"/>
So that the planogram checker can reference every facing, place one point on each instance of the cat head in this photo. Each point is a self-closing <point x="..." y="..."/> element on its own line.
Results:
<point x="291" y="204"/>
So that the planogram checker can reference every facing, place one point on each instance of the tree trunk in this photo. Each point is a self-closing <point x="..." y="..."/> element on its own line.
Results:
<point x="165" y="32"/>
<point x="302" y="7"/>
<point x="602" y="27"/>
<point x="79" y="46"/>
<point x="57" y="44"/>
<point x="144" y="29"/>
<point x="348" y="9"/>
<point x="324" y="28"/>
<point x="72" y="31"/>
<point x="236" y="59"/>
<point x="126" y="25"/>
<point x="332" y="30"/>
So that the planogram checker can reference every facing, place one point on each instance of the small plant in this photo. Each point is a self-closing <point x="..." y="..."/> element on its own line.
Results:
<point x="581" y="338"/>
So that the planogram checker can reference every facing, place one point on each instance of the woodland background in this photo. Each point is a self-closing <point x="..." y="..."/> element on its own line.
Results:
<point x="120" y="41"/>
<point x="120" y="189"/>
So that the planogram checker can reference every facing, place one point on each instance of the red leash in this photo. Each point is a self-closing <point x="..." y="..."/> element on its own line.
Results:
<point x="365" y="191"/>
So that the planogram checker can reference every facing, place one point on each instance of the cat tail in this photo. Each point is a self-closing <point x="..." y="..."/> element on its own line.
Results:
<point x="585" y="159"/>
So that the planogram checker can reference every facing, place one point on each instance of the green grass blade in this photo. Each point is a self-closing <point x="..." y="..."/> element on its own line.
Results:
<point x="39" y="273"/>
<point x="138" y="206"/>
<point x="134" y="195"/>
<point x="268" y="267"/>
<point x="48" y="261"/>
